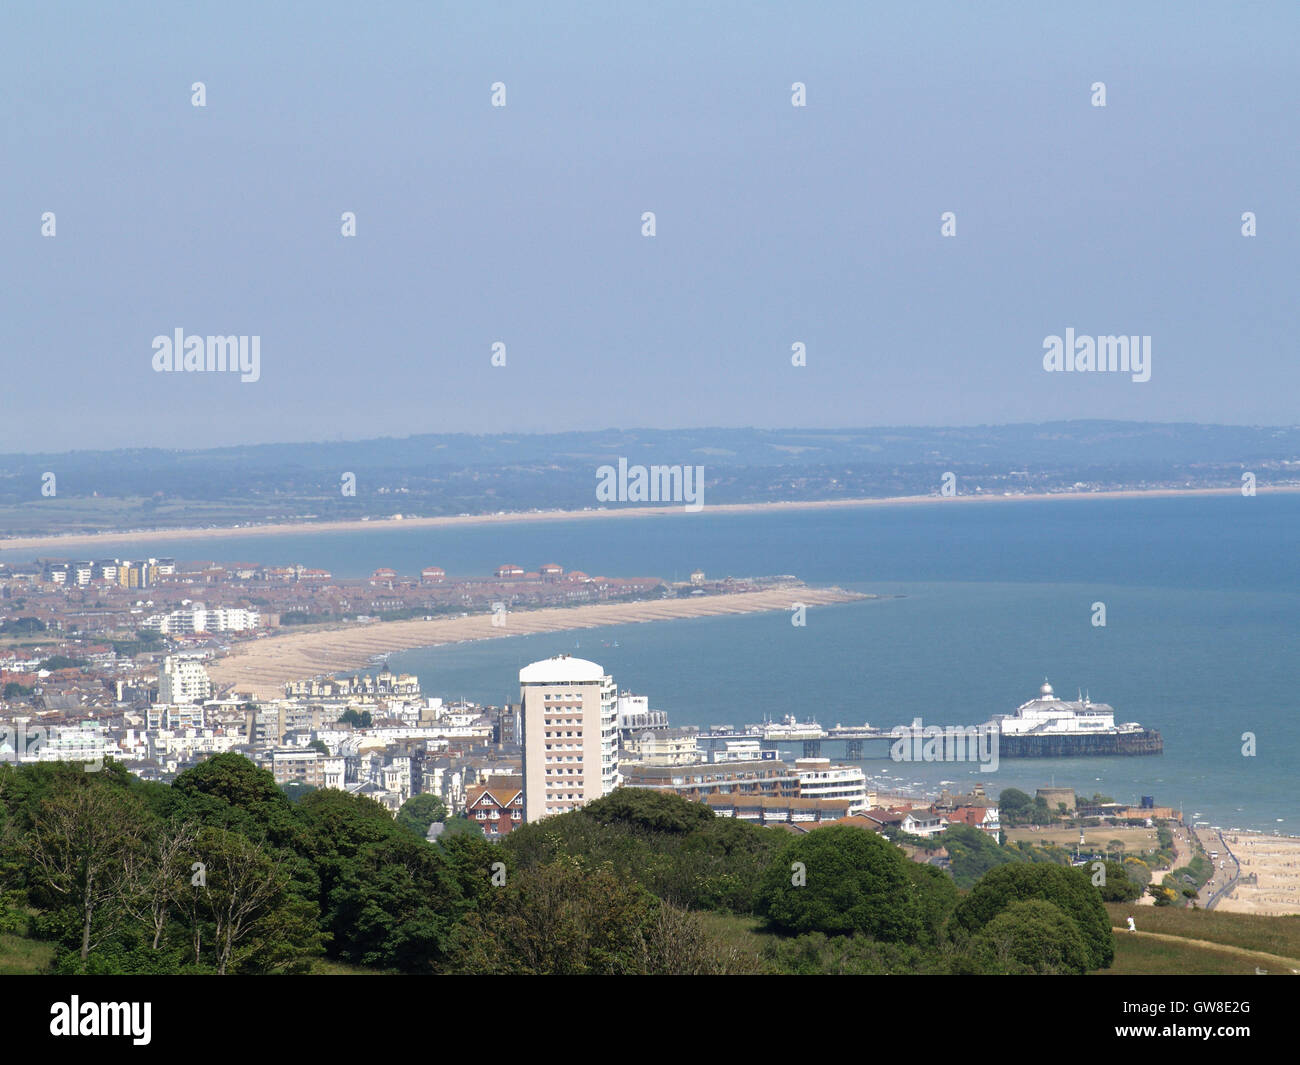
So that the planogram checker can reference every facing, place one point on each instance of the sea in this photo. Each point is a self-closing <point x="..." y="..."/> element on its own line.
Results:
<point x="975" y="605"/>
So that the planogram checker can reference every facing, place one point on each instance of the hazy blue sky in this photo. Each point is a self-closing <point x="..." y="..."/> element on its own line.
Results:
<point x="522" y="224"/>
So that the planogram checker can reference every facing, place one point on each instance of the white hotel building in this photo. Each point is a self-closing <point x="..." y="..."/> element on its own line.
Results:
<point x="569" y="708"/>
<point x="182" y="680"/>
<point x="196" y="618"/>
<point x="818" y="779"/>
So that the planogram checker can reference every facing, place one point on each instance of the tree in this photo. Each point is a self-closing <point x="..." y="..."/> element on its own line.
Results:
<point x="229" y="791"/>
<point x="937" y="897"/>
<point x="296" y="789"/>
<point x="236" y="780"/>
<point x="973" y="853"/>
<point x="356" y="719"/>
<point x="333" y="829"/>
<point x="840" y="880"/>
<point x="1117" y="886"/>
<point x="461" y="826"/>
<point x="559" y="919"/>
<point x="157" y="874"/>
<point x="651" y="810"/>
<point x="1014" y="806"/>
<point x="77" y="846"/>
<point x="1070" y="890"/>
<point x="420" y="811"/>
<point x="1031" y="937"/>
<point x="396" y="906"/>
<point x="255" y="921"/>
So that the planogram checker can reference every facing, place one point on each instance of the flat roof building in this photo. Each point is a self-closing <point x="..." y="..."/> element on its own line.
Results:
<point x="570" y="735"/>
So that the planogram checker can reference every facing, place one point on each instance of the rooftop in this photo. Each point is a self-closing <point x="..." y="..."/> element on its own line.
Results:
<point x="559" y="670"/>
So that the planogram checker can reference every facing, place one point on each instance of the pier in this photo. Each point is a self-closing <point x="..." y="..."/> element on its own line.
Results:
<point x="852" y="743"/>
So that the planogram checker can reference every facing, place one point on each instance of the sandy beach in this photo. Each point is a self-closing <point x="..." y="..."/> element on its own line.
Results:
<point x="262" y="667"/>
<point x="1275" y="861"/>
<point x="145" y="536"/>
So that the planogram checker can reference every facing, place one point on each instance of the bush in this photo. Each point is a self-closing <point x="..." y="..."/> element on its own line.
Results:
<point x="1031" y="937"/>
<point x="847" y="880"/>
<point x="1068" y="889"/>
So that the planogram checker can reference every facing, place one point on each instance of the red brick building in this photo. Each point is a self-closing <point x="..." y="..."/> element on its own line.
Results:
<point x="497" y="806"/>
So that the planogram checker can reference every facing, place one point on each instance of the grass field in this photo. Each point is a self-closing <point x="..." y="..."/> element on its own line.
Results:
<point x="1139" y="956"/>
<point x="1135" y="840"/>
<point x="1273" y="935"/>
<point x="20" y="956"/>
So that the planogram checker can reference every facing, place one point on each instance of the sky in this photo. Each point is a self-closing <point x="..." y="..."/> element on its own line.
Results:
<point x="522" y="225"/>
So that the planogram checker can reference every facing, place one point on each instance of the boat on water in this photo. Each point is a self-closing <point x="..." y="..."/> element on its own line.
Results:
<point x="1050" y="727"/>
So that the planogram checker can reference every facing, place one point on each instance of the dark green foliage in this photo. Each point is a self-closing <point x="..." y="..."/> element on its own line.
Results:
<point x="855" y="882"/>
<point x="470" y="860"/>
<point x="624" y="885"/>
<point x="655" y="811"/>
<point x="973" y="853"/>
<point x="395" y="906"/>
<point x="1068" y="889"/>
<point x="937" y="898"/>
<point x="566" y="918"/>
<point x="21" y="626"/>
<point x="1031" y="937"/>
<point x="462" y="826"/>
<point x="294" y="790"/>
<point x="61" y="662"/>
<point x="233" y="779"/>
<point x="420" y="811"/>
<point x="816" y="954"/>
<point x="1014" y="806"/>
<point x="1118" y="887"/>
<point x="674" y="848"/>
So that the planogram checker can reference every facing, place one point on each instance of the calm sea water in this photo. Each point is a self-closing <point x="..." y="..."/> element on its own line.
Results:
<point x="1202" y="601"/>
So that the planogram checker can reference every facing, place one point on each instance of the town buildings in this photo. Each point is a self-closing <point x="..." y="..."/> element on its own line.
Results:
<point x="183" y="681"/>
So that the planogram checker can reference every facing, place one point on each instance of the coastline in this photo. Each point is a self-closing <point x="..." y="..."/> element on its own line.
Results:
<point x="143" y="536"/>
<point x="262" y="667"/>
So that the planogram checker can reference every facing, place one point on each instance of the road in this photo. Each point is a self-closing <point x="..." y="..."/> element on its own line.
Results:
<point x="1223" y="879"/>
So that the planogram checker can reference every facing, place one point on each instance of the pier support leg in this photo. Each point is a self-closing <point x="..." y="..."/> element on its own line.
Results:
<point x="812" y="748"/>
<point x="853" y="750"/>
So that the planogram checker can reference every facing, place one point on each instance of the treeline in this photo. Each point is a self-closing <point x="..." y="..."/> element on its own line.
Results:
<point x="220" y="872"/>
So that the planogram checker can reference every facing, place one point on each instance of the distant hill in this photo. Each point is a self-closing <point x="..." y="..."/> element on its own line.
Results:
<point x="457" y="473"/>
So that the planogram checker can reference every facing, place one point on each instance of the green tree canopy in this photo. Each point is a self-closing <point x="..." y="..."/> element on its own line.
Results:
<point x="395" y="906"/>
<point x="420" y="811"/>
<point x="840" y="880"/>
<point x="559" y="919"/>
<point x="1069" y="889"/>
<point x="1031" y="937"/>
<point x="653" y="810"/>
